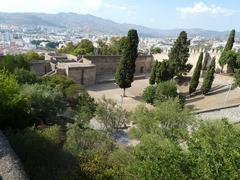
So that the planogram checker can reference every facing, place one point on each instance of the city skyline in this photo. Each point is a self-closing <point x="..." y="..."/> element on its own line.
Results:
<point x="212" y="15"/>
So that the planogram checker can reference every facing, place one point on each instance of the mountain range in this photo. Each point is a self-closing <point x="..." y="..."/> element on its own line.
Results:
<point x="92" y="24"/>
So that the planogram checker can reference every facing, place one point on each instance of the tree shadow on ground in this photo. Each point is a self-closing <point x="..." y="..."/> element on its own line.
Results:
<point x="102" y="87"/>
<point x="212" y="93"/>
<point x="194" y="99"/>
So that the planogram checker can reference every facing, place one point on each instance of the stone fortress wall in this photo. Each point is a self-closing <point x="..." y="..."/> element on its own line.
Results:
<point x="93" y="69"/>
<point x="194" y="55"/>
<point x="87" y="70"/>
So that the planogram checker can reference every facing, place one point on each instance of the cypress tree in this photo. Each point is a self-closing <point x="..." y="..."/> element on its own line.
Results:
<point x="152" y="79"/>
<point x="125" y="72"/>
<point x="196" y="75"/>
<point x="209" y="77"/>
<point x="230" y="42"/>
<point x="179" y="55"/>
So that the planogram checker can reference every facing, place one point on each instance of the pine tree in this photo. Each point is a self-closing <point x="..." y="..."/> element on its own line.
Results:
<point x="125" y="72"/>
<point x="196" y="75"/>
<point x="231" y="40"/>
<point x="179" y="55"/>
<point x="209" y="77"/>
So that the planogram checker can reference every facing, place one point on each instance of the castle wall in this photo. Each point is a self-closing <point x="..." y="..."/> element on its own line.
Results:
<point x="91" y="68"/>
<point x="193" y="58"/>
<point x="40" y="67"/>
<point x="109" y="64"/>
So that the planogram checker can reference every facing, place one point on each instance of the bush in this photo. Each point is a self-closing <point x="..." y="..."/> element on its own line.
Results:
<point x="237" y="77"/>
<point x="13" y="108"/>
<point x="25" y="77"/>
<point x="163" y="92"/>
<point x="10" y="63"/>
<point x="45" y="101"/>
<point x="149" y="94"/>
<point x="166" y="90"/>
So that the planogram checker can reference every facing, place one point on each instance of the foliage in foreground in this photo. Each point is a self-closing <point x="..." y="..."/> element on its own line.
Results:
<point x="41" y="153"/>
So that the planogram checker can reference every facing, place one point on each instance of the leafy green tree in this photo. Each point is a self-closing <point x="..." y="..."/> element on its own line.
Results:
<point x="13" y="108"/>
<point x="168" y="119"/>
<point x="111" y="115"/>
<point x="68" y="49"/>
<point x="57" y="80"/>
<point x="208" y="78"/>
<point x="156" y="158"/>
<point x="156" y="50"/>
<point x="10" y="63"/>
<point x="196" y="75"/>
<point x="152" y="79"/>
<point x="45" y="102"/>
<point x="126" y="69"/>
<point x="228" y="47"/>
<point x="179" y="55"/>
<point x="215" y="151"/>
<point x="25" y="77"/>
<point x="85" y="46"/>
<point x="92" y="149"/>
<point x="32" y="55"/>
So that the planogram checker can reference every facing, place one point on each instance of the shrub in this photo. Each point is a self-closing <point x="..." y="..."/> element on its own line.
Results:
<point x="149" y="94"/>
<point x="13" y="108"/>
<point x="237" y="77"/>
<point x="166" y="90"/>
<point x="25" y="77"/>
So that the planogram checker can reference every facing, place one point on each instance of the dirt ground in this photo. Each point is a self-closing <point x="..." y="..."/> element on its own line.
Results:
<point x="217" y="97"/>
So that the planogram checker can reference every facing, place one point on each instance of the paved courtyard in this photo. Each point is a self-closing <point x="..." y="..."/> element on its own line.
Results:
<point x="217" y="98"/>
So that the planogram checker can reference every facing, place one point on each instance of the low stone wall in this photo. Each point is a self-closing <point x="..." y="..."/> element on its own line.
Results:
<point x="10" y="166"/>
<point x="232" y="113"/>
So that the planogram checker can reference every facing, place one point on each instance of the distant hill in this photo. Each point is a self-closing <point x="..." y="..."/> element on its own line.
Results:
<point x="93" y="24"/>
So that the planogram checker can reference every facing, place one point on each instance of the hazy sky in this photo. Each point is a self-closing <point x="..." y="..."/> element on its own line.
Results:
<point x="164" y="14"/>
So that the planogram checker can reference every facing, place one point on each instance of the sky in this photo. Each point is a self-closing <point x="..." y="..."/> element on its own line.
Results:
<point x="161" y="14"/>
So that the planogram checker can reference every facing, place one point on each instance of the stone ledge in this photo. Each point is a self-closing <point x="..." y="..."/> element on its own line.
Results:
<point x="10" y="166"/>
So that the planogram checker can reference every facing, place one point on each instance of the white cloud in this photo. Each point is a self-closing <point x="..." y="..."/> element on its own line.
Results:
<point x="113" y="6"/>
<point x="120" y="8"/>
<point x="202" y="8"/>
<point x="50" y="6"/>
